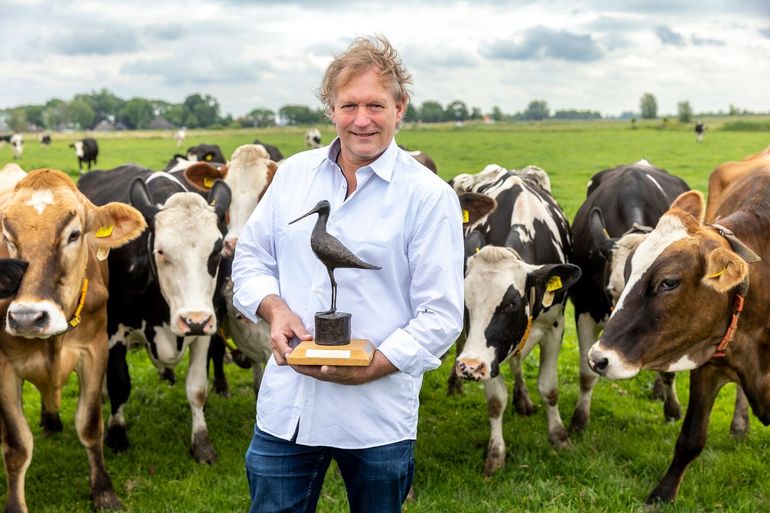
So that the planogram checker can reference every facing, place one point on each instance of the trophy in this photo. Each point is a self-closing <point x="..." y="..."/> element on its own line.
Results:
<point x="332" y="344"/>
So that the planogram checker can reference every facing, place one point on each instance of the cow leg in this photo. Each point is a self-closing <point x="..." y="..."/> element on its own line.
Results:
<point x="90" y="428"/>
<point x="49" y="421"/>
<point x="548" y="383"/>
<point x="455" y="381"/>
<point x="588" y="332"/>
<point x="671" y="408"/>
<point x="521" y="400"/>
<point x="119" y="389"/>
<point x="217" y="356"/>
<point x="657" y="388"/>
<point x="497" y="397"/>
<point x="196" y="386"/>
<point x="739" y="427"/>
<point x="17" y="440"/>
<point x="705" y="383"/>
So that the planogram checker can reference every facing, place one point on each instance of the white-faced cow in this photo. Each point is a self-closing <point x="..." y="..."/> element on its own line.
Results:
<point x="313" y="138"/>
<point x="56" y="322"/>
<point x="163" y="287"/>
<point x="206" y="153"/>
<point x="517" y="247"/>
<point x="697" y="299"/>
<point x="86" y="150"/>
<point x="631" y="198"/>
<point x="17" y="145"/>
<point x="179" y="136"/>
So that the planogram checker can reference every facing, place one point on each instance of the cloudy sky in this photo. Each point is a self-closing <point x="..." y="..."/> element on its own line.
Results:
<point x="598" y="54"/>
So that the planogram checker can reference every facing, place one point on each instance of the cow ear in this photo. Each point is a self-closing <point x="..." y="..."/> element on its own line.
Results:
<point x="552" y="279"/>
<point x="139" y="197"/>
<point x="115" y="224"/>
<point x="603" y="242"/>
<point x="202" y="175"/>
<point x="11" y="273"/>
<point x="475" y="206"/>
<point x="724" y="270"/>
<point x="219" y="198"/>
<point x="693" y="203"/>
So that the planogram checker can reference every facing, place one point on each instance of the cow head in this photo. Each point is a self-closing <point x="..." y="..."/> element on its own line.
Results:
<point x="78" y="147"/>
<point x="502" y="294"/>
<point x="185" y="247"/>
<point x="54" y="228"/>
<point x="677" y="302"/>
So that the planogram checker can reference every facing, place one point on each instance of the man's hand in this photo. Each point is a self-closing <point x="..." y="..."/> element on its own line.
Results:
<point x="345" y="375"/>
<point x="284" y="325"/>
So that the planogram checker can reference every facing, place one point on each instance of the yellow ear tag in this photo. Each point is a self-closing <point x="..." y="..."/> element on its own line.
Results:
<point x="104" y="231"/>
<point x="209" y="157"/>
<point x="466" y="216"/>
<point x="717" y="274"/>
<point x="208" y="182"/>
<point x="554" y="283"/>
<point x="478" y="249"/>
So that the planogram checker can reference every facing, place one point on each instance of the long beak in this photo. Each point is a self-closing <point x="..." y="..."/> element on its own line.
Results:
<point x="314" y="211"/>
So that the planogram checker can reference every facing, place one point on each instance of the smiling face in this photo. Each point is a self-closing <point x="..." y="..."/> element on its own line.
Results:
<point x="365" y="113"/>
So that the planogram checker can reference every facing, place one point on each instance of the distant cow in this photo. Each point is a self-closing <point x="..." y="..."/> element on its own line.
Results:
<point x="179" y="137"/>
<point x="56" y="322"/>
<point x="206" y="153"/>
<point x="517" y="248"/>
<point x="86" y="150"/>
<point x="44" y="139"/>
<point x="162" y="287"/>
<point x="313" y="138"/>
<point x="628" y="197"/>
<point x="17" y="145"/>
<point x="273" y="151"/>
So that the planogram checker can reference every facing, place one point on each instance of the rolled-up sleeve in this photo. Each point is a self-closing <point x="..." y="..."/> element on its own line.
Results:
<point x="435" y="253"/>
<point x="255" y="271"/>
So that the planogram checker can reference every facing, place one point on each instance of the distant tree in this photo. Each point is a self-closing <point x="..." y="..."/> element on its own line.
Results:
<point x="104" y="104"/>
<point x="476" y="113"/>
<point x="537" y="110"/>
<point x="648" y="106"/>
<point x="300" y="115"/>
<point x="456" y="111"/>
<point x="137" y="113"/>
<point x="734" y="111"/>
<point x="259" y="118"/>
<point x="174" y="114"/>
<point x="497" y="114"/>
<point x="411" y="114"/>
<point x="54" y="113"/>
<point x="200" y="111"/>
<point x="684" y="111"/>
<point x="17" y="120"/>
<point x="431" y="112"/>
<point x="80" y="113"/>
<point x="576" y="114"/>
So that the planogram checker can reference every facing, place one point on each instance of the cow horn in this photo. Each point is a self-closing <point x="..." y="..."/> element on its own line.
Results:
<point x="741" y="249"/>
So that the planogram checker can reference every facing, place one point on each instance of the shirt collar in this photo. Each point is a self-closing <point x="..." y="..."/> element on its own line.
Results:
<point x="382" y="167"/>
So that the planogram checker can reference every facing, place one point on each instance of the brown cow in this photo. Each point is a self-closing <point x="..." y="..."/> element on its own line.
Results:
<point x="729" y="173"/>
<point x="707" y="275"/>
<point x="56" y="322"/>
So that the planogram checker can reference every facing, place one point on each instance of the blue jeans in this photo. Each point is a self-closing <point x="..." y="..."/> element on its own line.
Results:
<point x="287" y="477"/>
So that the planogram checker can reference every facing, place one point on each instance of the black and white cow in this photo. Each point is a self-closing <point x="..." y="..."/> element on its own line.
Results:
<point x="44" y="138"/>
<point x="162" y="286"/>
<point x="273" y="151"/>
<point x="206" y="153"/>
<point x="86" y="150"/>
<point x="313" y="138"/>
<point x="17" y="145"/>
<point x="619" y="200"/>
<point x="517" y="246"/>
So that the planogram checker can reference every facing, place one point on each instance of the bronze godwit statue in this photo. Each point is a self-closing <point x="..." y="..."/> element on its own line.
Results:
<point x="330" y="250"/>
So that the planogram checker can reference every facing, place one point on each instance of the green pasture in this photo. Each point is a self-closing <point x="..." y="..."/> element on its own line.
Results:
<point x="611" y="466"/>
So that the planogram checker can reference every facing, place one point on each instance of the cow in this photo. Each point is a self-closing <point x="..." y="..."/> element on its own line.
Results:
<point x="517" y="247"/>
<point x="86" y="150"/>
<point x="5" y="138"/>
<point x="56" y="321"/>
<point x="273" y="151"/>
<point x="179" y="136"/>
<point x="696" y="299"/>
<point x="17" y="145"/>
<point x="728" y="174"/>
<point x="313" y="138"/>
<point x="206" y="153"/>
<point x="630" y="197"/>
<point x="422" y="158"/>
<point x="164" y="282"/>
<point x="44" y="139"/>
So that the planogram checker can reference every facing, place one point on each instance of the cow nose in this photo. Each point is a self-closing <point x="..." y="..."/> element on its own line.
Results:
<point x="195" y="323"/>
<point x="598" y="364"/>
<point x="470" y="368"/>
<point x="27" y="319"/>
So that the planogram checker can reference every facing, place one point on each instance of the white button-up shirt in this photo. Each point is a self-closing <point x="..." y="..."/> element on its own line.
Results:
<point x="401" y="217"/>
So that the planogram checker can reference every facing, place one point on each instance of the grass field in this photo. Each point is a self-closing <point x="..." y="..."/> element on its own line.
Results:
<point x="611" y="467"/>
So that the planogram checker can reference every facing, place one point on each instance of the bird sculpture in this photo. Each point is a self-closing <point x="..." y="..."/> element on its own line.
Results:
<point x="329" y="250"/>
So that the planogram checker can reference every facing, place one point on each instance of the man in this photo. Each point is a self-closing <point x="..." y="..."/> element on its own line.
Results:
<point x="391" y="212"/>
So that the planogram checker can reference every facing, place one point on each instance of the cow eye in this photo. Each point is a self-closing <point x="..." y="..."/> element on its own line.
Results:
<point x="159" y="255"/>
<point x="668" y="284"/>
<point x="74" y="236"/>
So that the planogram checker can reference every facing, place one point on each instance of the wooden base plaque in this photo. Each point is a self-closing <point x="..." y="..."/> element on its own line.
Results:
<point x="358" y="353"/>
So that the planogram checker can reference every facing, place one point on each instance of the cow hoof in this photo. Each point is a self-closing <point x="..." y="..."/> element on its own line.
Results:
<point x="107" y="502"/>
<point x="579" y="421"/>
<point x="168" y="376"/>
<point x="523" y="405"/>
<point x="221" y="387"/>
<point x="672" y="411"/>
<point x="116" y="438"/>
<point x="50" y="422"/>
<point x="659" y="494"/>
<point x="739" y="428"/>
<point x="494" y="462"/>
<point x="559" y="438"/>
<point x="202" y="450"/>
